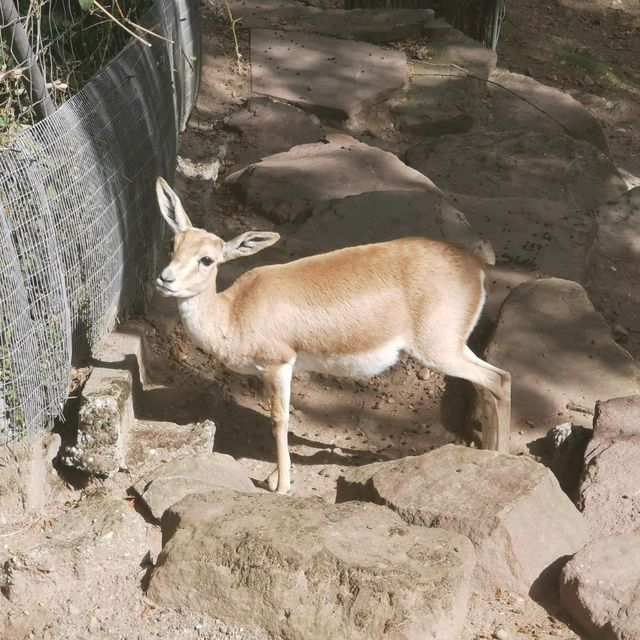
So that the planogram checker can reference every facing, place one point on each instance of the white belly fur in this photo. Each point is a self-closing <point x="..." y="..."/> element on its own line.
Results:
<point x="353" y="365"/>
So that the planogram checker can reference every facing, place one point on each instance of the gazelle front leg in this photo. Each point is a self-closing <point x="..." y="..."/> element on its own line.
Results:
<point x="278" y="382"/>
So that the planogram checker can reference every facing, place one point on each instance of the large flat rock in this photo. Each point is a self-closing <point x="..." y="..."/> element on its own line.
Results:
<point x="561" y="356"/>
<point x="518" y="163"/>
<point x="520" y="102"/>
<point x="305" y="570"/>
<point x="385" y="215"/>
<point x="600" y="587"/>
<point x="338" y="77"/>
<point x="608" y="493"/>
<point x="437" y="104"/>
<point x="368" y="25"/>
<point x="187" y="474"/>
<point x="287" y="185"/>
<point x="450" y="52"/>
<point x="511" y="508"/>
<point x="612" y="264"/>
<point x="268" y="126"/>
<point x="447" y="94"/>
<point x="539" y="235"/>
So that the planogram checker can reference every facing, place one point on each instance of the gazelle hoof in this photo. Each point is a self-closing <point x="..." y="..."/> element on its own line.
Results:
<point x="278" y="487"/>
<point x="272" y="480"/>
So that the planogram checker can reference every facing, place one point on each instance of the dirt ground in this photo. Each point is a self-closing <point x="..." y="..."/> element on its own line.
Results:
<point x="590" y="49"/>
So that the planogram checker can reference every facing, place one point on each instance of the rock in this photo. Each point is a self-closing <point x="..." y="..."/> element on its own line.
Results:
<point x="561" y="355"/>
<point x="436" y="105"/>
<point x="612" y="261"/>
<point x="268" y="127"/>
<point x="458" y="54"/>
<point x="564" y="449"/>
<point x="196" y="473"/>
<point x="385" y="215"/>
<point x="322" y="571"/>
<point x="301" y="69"/>
<point x="287" y="185"/>
<point x="202" y="170"/>
<point x="600" y="587"/>
<point x="538" y="234"/>
<point x="518" y="163"/>
<point x="375" y="26"/>
<point x="520" y="522"/>
<point x="520" y="102"/>
<point x="608" y="493"/>
<point x="442" y="97"/>
<point x="104" y="420"/>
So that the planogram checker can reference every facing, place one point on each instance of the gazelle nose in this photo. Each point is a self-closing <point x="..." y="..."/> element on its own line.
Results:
<point x="166" y="276"/>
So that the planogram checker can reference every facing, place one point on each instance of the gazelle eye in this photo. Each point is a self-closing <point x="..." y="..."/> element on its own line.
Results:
<point x="206" y="261"/>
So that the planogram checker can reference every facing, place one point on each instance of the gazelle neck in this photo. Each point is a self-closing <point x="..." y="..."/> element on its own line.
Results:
<point x="206" y="318"/>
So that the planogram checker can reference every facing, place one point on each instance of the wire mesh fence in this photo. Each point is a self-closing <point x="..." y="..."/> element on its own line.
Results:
<point x="79" y="230"/>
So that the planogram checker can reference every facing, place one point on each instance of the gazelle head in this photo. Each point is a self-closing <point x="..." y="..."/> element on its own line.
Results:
<point x="197" y="253"/>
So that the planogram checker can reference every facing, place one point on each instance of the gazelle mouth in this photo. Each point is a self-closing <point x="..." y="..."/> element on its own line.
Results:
<point x="163" y="289"/>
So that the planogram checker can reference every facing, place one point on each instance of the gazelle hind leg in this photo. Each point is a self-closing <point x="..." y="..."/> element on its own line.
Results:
<point x="278" y="382"/>
<point x="496" y="391"/>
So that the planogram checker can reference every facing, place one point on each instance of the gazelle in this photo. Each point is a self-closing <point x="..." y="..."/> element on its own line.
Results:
<point x="350" y="312"/>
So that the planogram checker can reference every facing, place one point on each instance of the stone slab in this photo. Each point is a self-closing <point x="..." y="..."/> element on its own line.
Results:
<point x="518" y="102"/>
<point x="560" y="354"/>
<point x="385" y="215"/>
<point x="600" y="587"/>
<point x="105" y="418"/>
<point x="338" y="77"/>
<point x="303" y="569"/>
<point x="510" y="507"/>
<point x="289" y="185"/>
<point x="608" y="493"/>
<point x="518" y="163"/>
<point x="612" y="260"/>
<point x="367" y="25"/>
<point x="195" y="473"/>
<point x="437" y="105"/>
<point x="539" y="235"/>
<point x="269" y="127"/>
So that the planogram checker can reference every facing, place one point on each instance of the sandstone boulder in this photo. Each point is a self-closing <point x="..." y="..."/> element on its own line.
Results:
<point x="520" y="102"/>
<point x="600" y="587"/>
<point x="385" y="215"/>
<point x="561" y="356"/>
<point x="608" y="493"/>
<point x="287" y="185"/>
<point x="511" y="508"/>
<point x="105" y="418"/>
<point x="195" y="473"/>
<point x="612" y="263"/>
<point x="335" y="77"/>
<point x="268" y="127"/>
<point x="435" y="105"/>
<point x="518" y="163"/>
<point x="306" y="570"/>
<point x="536" y="234"/>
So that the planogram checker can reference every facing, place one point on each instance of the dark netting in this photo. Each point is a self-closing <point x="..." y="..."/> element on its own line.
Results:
<point x="79" y="228"/>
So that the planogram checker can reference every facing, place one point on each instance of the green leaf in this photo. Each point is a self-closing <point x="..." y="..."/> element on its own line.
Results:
<point x="86" y="5"/>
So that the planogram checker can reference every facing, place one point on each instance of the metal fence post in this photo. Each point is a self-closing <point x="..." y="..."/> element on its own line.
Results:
<point x="14" y="35"/>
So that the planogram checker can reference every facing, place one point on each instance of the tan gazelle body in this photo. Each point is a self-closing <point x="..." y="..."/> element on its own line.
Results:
<point x="350" y="312"/>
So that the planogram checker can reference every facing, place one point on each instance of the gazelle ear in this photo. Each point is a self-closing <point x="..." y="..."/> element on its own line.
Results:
<point x="171" y="208"/>
<point x="248" y="243"/>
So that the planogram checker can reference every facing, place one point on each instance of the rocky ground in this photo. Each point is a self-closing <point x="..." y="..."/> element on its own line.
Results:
<point x="531" y="172"/>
